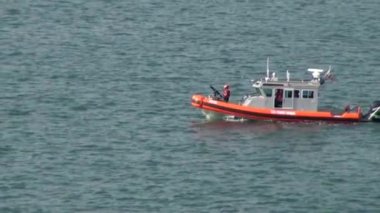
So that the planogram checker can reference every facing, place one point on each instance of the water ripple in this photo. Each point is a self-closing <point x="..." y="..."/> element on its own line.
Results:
<point x="95" y="107"/>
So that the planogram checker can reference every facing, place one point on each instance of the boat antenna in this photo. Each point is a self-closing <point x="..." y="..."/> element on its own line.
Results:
<point x="267" y="78"/>
<point x="328" y="72"/>
<point x="287" y="75"/>
<point x="328" y="75"/>
<point x="268" y="67"/>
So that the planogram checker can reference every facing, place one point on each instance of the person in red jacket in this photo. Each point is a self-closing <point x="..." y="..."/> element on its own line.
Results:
<point x="226" y="92"/>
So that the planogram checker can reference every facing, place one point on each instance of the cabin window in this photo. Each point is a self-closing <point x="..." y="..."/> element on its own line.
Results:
<point x="288" y="94"/>
<point x="268" y="92"/>
<point x="307" y="94"/>
<point x="296" y="93"/>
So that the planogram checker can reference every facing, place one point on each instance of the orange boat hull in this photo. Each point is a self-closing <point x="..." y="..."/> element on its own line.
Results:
<point x="253" y="113"/>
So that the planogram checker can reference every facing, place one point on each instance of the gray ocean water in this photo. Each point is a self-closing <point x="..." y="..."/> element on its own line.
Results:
<point x="95" y="111"/>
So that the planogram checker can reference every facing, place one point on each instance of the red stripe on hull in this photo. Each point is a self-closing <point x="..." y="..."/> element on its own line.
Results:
<point x="202" y="102"/>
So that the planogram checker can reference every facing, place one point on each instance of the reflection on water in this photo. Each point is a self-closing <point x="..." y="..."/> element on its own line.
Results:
<point x="224" y="130"/>
<point x="228" y="130"/>
<point x="246" y="126"/>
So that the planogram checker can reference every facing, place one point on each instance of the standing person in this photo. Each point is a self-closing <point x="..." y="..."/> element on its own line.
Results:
<point x="226" y="92"/>
<point x="278" y="98"/>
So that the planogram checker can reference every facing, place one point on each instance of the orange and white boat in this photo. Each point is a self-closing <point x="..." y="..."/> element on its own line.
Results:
<point x="283" y="100"/>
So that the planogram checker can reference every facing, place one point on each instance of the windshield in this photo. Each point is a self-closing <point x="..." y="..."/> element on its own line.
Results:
<point x="256" y="92"/>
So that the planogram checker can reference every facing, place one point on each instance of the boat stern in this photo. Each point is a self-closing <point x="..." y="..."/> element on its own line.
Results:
<point x="373" y="113"/>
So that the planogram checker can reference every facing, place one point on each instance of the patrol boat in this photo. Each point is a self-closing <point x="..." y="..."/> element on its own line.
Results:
<point x="282" y="100"/>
